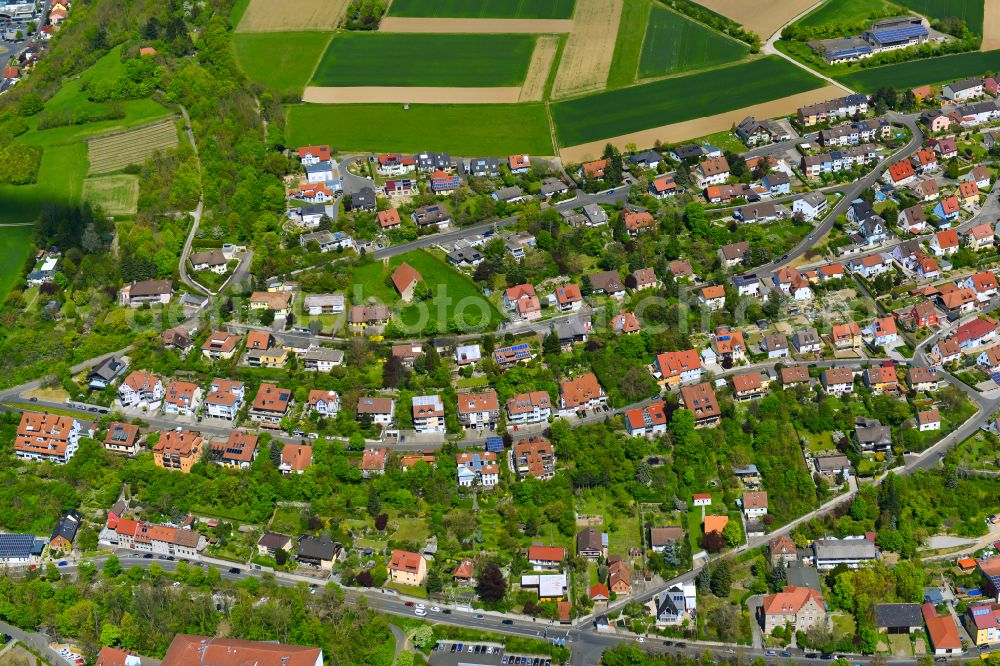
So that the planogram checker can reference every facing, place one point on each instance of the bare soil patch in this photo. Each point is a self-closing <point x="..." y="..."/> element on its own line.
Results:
<point x="991" y="26"/>
<point x="762" y="16"/>
<point x="440" y="25"/>
<point x="283" y="16"/>
<point x="700" y="126"/>
<point x="538" y="71"/>
<point x="586" y="60"/>
<point x="416" y="95"/>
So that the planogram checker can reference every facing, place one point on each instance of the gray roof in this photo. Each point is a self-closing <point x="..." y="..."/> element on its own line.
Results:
<point x="801" y="575"/>
<point x="108" y="369"/>
<point x="844" y="549"/>
<point x="827" y="463"/>
<point x="898" y="615"/>
<point x="551" y="185"/>
<point x="316" y="548"/>
<point x="323" y="354"/>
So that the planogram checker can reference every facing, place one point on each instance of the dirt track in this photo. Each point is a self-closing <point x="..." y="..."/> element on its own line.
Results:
<point x="991" y="26"/>
<point x="439" y="25"/>
<point x="691" y="129"/>
<point x="282" y="16"/>
<point x="403" y="95"/>
<point x="538" y="71"/>
<point x="586" y="60"/>
<point x="762" y="16"/>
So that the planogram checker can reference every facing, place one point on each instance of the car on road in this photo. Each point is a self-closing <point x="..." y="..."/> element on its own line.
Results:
<point x="419" y="612"/>
<point x="235" y="571"/>
<point x="507" y="622"/>
<point x="435" y="609"/>
<point x="770" y="653"/>
<point x="147" y="556"/>
<point x="681" y="645"/>
<point x="668" y="643"/>
<point x="786" y="654"/>
<point x="640" y="639"/>
<point x="409" y="604"/>
<point x="33" y="399"/>
<point x="479" y="616"/>
<point x="447" y="611"/>
<point x="63" y="563"/>
<point x="812" y="655"/>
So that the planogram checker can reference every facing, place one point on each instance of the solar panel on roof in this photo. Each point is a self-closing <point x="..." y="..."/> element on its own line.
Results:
<point x="494" y="443"/>
<point x="16" y="545"/>
<point x="901" y="34"/>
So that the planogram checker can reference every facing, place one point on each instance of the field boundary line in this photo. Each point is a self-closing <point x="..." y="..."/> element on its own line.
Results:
<point x="322" y="54"/>
<point x="411" y="95"/>
<point x="406" y="24"/>
<point x="539" y="68"/>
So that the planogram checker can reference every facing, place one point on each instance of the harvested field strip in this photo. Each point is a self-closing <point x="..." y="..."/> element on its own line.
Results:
<point x="675" y="43"/>
<point x="461" y="129"/>
<point x="117" y="195"/>
<point x="991" y="26"/>
<point x="586" y="60"/>
<point x="533" y="89"/>
<point x="416" y="95"/>
<point x="111" y="152"/>
<point x="521" y="9"/>
<point x="700" y="126"/>
<point x="472" y="25"/>
<point x="762" y="16"/>
<point x="419" y="60"/>
<point x="919" y="72"/>
<point x="681" y="98"/>
<point x="281" y="16"/>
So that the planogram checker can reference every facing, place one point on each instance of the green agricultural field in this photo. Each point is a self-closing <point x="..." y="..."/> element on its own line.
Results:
<point x="919" y="72"/>
<point x="117" y="195"/>
<point x="970" y="11"/>
<point x="675" y="43"/>
<point x="14" y="244"/>
<point x="608" y="114"/>
<point x="628" y="44"/>
<point x="452" y="293"/>
<point x="462" y="129"/>
<point x="522" y="9"/>
<point x="846" y="12"/>
<point x="281" y="60"/>
<point x="405" y="59"/>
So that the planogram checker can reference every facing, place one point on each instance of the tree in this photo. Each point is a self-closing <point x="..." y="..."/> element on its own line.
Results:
<point x="725" y="620"/>
<point x="490" y="585"/>
<point x="550" y="345"/>
<point x="110" y="634"/>
<point x="859" y="508"/>
<point x="423" y="636"/>
<point x="87" y="539"/>
<point x="434" y="583"/>
<point x="112" y="567"/>
<point x="393" y="372"/>
<point x="364" y="579"/>
<point x="586" y="286"/>
<point x="713" y="542"/>
<point x="733" y="533"/>
<point x="722" y="579"/>
<point x="381" y="520"/>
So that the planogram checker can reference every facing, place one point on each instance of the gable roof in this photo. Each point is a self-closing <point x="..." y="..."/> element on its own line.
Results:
<point x="404" y="276"/>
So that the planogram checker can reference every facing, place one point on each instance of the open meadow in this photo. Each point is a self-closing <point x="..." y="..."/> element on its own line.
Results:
<point x="521" y="9"/>
<point x="284" y="61"/>
<point x="282" y="16"/>
<point x="116" y="150"/>
<point x="608" y="114"/>
<point x="675" y="43"/>
<point x="918" y="72"/>
<point x="14" y="244"/>
<point x="846" y="12"/>
<point x="970" y="11"/>
<point x="465" y="129"/>
<point x="117" y="195"/>
<point x="414" y="59"/>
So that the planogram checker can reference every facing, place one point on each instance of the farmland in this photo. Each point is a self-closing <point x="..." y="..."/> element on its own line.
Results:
<point x="763" y="16"/>
<point x="14" y="244"/>
<point x="628" y="45"/>
<point x="590" y="47"/>
<point x="918" y="72"/>
<point x="117" y="150"/>
<point x="675" y="43"/>
<point x="970" y="11"/>
<point x="678" y="99"/>
<point x="279" y="16"/>
<point x="117" y="195"/>
<point x="283" y="60"/>
<point x="452" y="291"/>
<point x="465" y="129"/>
<point x="413" y="59"/>
<point x="846" y="12"/>
<point x="522" y="9"/>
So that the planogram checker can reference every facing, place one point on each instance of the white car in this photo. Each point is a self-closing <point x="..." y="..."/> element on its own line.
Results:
<point x="421" y="606"/>
<point x="435" y="609"/>
<point x="419" y="611"/>
<point x="641" y="639"/>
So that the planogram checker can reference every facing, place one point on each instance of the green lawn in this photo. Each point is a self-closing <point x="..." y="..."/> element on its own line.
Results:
<point x="117" y="194"/>
<point x="628" y="45"/>
<point x="14" y="244"/>
<point x="406" y="59"/>
<point x="607" y="114"/>
<point x="918" y="72"/>
<point x="462" y="129"/>
<point x="675" y="43"/>
<point x="970" y="11"/>
<point x="452" y="293"/>
<point x="281" y="60"/>
<point x="845" y="12"/>
<point x="523" y="9"/>
<point x="411" y="529"/>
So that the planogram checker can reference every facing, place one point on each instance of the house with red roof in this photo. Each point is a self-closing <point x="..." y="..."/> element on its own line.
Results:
<point x="747" y="385"/>
<point x="975" y="333"/>
<point x="546" y="557"/>
<point x="942" y="631"/>
<point x="925" y="160"/>
<point x="394" y="164"/>
<point x="310" y="155"/>
<point x="948" y="208"/>
<point x="569" y="298"/>
<point x="407" y="568"/>
<point x="713" y="296"/>
<point x="389" y="219"/>
<point x="801" y="607"/>
<point x="979" y="237"/>
<point x="945" y="243"/>
<point x="647" y="421"/>
<point x="444" y="183"/>
<point x="680" y="367"/>
<point x="593" y="169"/>
<point x="405" y="279"/>
<point x="637" y="222"/>
<point x="900" y="174"/>
<point x="984" y="284"/>
<point x="968" y="193"/>
<point x="519" y="163"/>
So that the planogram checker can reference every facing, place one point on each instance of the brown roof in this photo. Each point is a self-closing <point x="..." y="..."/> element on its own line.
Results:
<point x="579" y="391"/>
<point x="239" y="448"/>
<point x="747" y="381"/>
<point x="700" y="399"/>
<point x="258" y="340"/>
<point x="43" y="433"/>
<point x="471" y="403"/>
<point x="790" y="600"/>
<point x="374" y="405"/>
<point x="661" y="535"/>
<point x="221" y="341"/>
<point x="188" y="650"/>
<point x="465" y="569"/>
<point x="150" y="288"/>
<point x="272" y="399"/>
<point x="644" y="276"/>
<point x="794" y="374"/>
<point x="297" y="456"/>
<point x="373" y="460"/>
<point x="929" y="416"/>
<point x="714" y="166"/>
<point x="178" y="442"/>
<point x="273" y="300"/>
<point x="121" y="434"/>
<point x="755" y="500"/>
<point x="782" y="545"/>
<point x="404" y="276"/>
<point x="838" y="376"/>
<point x="527" y="402"/>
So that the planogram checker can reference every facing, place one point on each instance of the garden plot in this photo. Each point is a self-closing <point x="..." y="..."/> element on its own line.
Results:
<point x="111" y="152"/>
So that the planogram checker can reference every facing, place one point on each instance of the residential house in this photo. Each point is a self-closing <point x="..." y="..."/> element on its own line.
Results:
<point x="295" y="458"/>
<point x="642" y="278"/>
<point x="122" y="438"/>
<point x="782" y="550"/>
<point x="733" y="254"/>
<point x="913" y="219"/>
<point x="278" y="302"/>
<point x="957" y="301"/>
<point x="591" y="543"/>
<point x="429" y="161"/>
<point x="929" y="419"/>
<point x="405" y="279"/>
<point x="647" y="421"/>
<point x="147" y="292"/>
<point x="882" y="379"/>
<point x="729" y="345"/>
<point x="923" y="379"/>
<point x="443" y="183"/>
<point x="982" y="620"/>
<point x="948" y="209"/>
<point x="775" y="345"/>
<point x="810" y="206"/>
<point x="747" y="285"/>
<point x="237" y="452"/>
<point x="925" y="160"/>
<point x="530" y="407"/>
<point x="801" y="607"/>
<point x="755" y="132"/>
<point x="389" y="219"/>
<point x="968" y="196"/>
<point x="870" y="436"/>
<point x="407" y="353"/>
<point x="700" y="400"/>
<point x="754" y="505"/>
<point x="435" y="215"/>
<point x="270" y="405"/>
<point x="619" y="576"/>
<point x="975" y="333"/>
<point x="849" y="551"/>
<point x="946" y="147"/>
<point x="979" y="175"/>
<point x="712" y="171"/>
<point x="663" y="187"/>
<point x="680" y="269"/>
<point x="846" y="337"/>
<point x="680" y="367"/>
<point x="757" y="213"/>
<point x="791" y="283"/>
<point x="838" y="381"/>
<point x="317" y="552"/>
<point x="777" y="183"/>
<point x="945" y="243"/>
<point x="830" y="272"/>
<point x="963" y="90"/>
<point x="569" y="298"/>
<point x="428" y="413"/>
<point x="625" y="323"/>
<point x="381" y="411"/>
<point x="407" y="568"/>
<point x="942" y="631"/>
<point x="176" y="338"/>
<point x="989" y="360"/>
<point x="270" y="543"/>
<point x="677" y="604"/>
<point x="546" y="557"/>
<point x="926" y="190"/>
<point x="534" y="457"/>
<point x="467" y="355"/>
<point x="900" y="174"/>
<point x="309" y="155"/>
<point x="712" y="297"/>
<point x="220" y="345"/>
<point x="178" y="449"/>
<point x="477" y="468"/>
<point x="324" y="403"/>
<point x="608" y="283"/>
<point x="553" y="187"/>
<point x="142" y="390"/>
<point x="638" y="221"/>
<point x="224" y="399"/>
<point x="211" y="260"/>
<point x="321" y="359"/>
<point x="947" y="351"/>
<point x="478" y="410"/>
<point x="747" y="386"/>
<point x="984" y="284"/>
<point x="795" y="374"/>
<point x="807" y="341"/>
<point x="328" y="241"/>
<point x="519" y="163"/>
<point x="596" y="216"/>
<point x="373" y="462"/>
<point x="483" y="167"/>
<point x="581" y="393"/>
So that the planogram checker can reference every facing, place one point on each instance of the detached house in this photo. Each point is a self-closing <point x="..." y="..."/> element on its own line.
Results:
<point x="712" y="171"/>
<point x="477" y="468"/>
<point x="178" y="449"/>
<point x="295" y="458"/>
<point x="225" y="398"/>
<point x="647" y="421"/>
<point x="637" y="222"/>
<point x="220" y="345"/>
<point x="923" y="379"/>
<point x="141" y="389"/>
<point x="700" y="400"/>
<point x="270" y="405"/>
<point x="324" y="403"/>
<point x="846" y="336"/>
<point x="182" y="398"/>
<point x="237" y="452"/>
<point x="900" y="174"/>
<point x="712" y="297"/>
<point x="791" y="283"/>
<point x="381" y="411"/>
<point x="747" y="386"/>
<point x="428" y="413"/>
<point x="122" y="438"/>
<point x="802" y="607"/>
<point x="407" y="568"/>
<point x="944" y="243"/>
<point x="838" y="381"/>
<point x="948" y="209"/>
<point x="531" y="407"/>
<point x="680" y="367"/>
<point x="882" y="380"/>
<point x="581" y="393"/>
<point x="569" y="298"/>
<point x="591" y="544"/>
<point x="479" y="410"/>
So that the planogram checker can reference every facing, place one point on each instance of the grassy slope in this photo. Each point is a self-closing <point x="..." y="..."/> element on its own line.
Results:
<point x="282" y="60"/>
<point x="390" y="59"/>
<point x="496" y="129"/>
<point x="628" y="45"/>
<point x="117" y="195"/>
<point x="14" y="242"/>
<point x="524" y="9"/>
<point x="675" y="43"/>
<point x="971" y="11"/>
<point x="846" y="12"/>
<point x="918" y="72"/>
<point x="678" y="99"/>
<point x="449" y="287"/>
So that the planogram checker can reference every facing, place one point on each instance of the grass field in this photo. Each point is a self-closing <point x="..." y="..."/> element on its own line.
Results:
<point x="918" y="72"/>
<point x="607" y="114"/>
<point x="522" y="9"/>
<point x="675" y="43"/>
<point x="281" y="60"/>
<point x="970" y="11"/>
<point x="14" y="243"/>
<point x="117" y="150"/>
<point x="117" y="195"/>
<point x="628" y="44"/>
<point x="408" y="59"/>
<point x="451" y="290"/>
<point x="464" y="129"/>
<point x="845" y="12"/>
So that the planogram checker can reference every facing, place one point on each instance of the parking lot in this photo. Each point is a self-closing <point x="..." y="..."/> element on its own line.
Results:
<point x="453" y="653"/>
